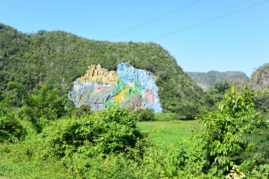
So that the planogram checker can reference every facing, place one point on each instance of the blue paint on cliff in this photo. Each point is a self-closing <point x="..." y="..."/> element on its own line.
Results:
<point x="150" y="98"/>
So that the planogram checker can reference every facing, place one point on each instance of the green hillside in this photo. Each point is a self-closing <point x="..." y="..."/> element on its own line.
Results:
<point x="209" y="79"/>
<point x="59" y="57"/>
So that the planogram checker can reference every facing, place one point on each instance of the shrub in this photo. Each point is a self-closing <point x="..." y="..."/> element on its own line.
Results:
<point x="189" y="110"/>
<point x="79" y="112"/>
<point x="224" y="137"/>
<point x="103" y="132"/>
<point x="145" y="115"/>
<point x="44" y="105"/>
<point x="10" y="128"/>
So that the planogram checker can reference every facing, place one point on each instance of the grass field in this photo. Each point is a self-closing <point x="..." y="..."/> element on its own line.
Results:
<point x="174" y="132"/>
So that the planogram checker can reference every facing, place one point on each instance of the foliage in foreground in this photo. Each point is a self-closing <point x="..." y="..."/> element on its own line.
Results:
<point x="107" y="144"/>
<point x="10" y="128"/>
<point x="228" y="134"/>
<point x="42" y="106"/>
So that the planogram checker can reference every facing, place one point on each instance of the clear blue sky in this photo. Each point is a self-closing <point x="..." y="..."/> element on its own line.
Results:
<point x="238" y="41"/>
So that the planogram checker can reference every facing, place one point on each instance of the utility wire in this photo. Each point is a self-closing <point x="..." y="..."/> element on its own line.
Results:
<point x="210" y="20"/>
<point x="154" y="19"/>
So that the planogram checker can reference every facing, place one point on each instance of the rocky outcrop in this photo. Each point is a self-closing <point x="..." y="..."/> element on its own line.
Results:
<point x="260" y="78"/>
<point x="130" y="87"/>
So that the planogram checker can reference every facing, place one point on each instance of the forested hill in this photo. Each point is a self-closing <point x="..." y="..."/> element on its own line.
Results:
<point x="260" y="78"/>
<point x="209" y="79"/>
<point x="58" y="57"/>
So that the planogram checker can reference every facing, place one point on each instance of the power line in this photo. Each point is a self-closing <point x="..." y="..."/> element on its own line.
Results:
<point x="154" y="19"/>
<point x="210" y="20"/>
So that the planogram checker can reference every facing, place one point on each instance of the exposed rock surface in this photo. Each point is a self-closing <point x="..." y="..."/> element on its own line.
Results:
<point x="90" y="93"/>
<point x="131" y="87"/>
<point x="260" y="78"/>
<point x="134" y="103"/>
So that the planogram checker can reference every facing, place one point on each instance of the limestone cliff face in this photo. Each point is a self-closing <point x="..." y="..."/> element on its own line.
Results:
<point x="130" y="87"/>
<point x="260" y="78"/>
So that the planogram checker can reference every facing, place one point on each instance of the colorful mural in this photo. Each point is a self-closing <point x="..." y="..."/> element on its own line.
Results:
<point x="130" y="87"/>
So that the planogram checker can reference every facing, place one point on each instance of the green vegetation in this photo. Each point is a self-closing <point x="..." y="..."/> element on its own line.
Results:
<point x="174" y="133"/>
<point x="42" y="106"/>
<point x="73" y="145"/>
<point x="10" y="128"/>
<point x="215" y="95"/>
<point x="78" y="143"/>
<point x="225" y="133"/>
<point x="209" y="79"/>
<point x="145" y="115"/>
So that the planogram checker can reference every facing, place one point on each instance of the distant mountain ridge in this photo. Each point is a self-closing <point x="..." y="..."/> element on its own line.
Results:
<point x="209" y="79"/>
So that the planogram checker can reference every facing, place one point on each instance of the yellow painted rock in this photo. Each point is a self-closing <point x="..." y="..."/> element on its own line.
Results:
<point x="99" y="75"/>
<point x="121" y="96"/>
<point x="81" y="98"/>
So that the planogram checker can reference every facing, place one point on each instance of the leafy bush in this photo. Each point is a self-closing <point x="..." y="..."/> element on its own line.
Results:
<point x="145" y="115"/>
<point x="79" y="112"/>
<point x="10" y="128"/>
<point x="189" y="110"/>
<point x="224" y="136"/>
<point x="215" y="95"/>
<point x="92" y="145"/>
<point x="104" y="132"/>
<point x="44" y="105"/>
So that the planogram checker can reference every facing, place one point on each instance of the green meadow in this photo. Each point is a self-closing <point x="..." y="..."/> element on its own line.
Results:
<point x="174" y="132"/>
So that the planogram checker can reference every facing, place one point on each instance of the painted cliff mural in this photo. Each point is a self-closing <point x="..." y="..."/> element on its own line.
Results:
<point x="130" y="87"/>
